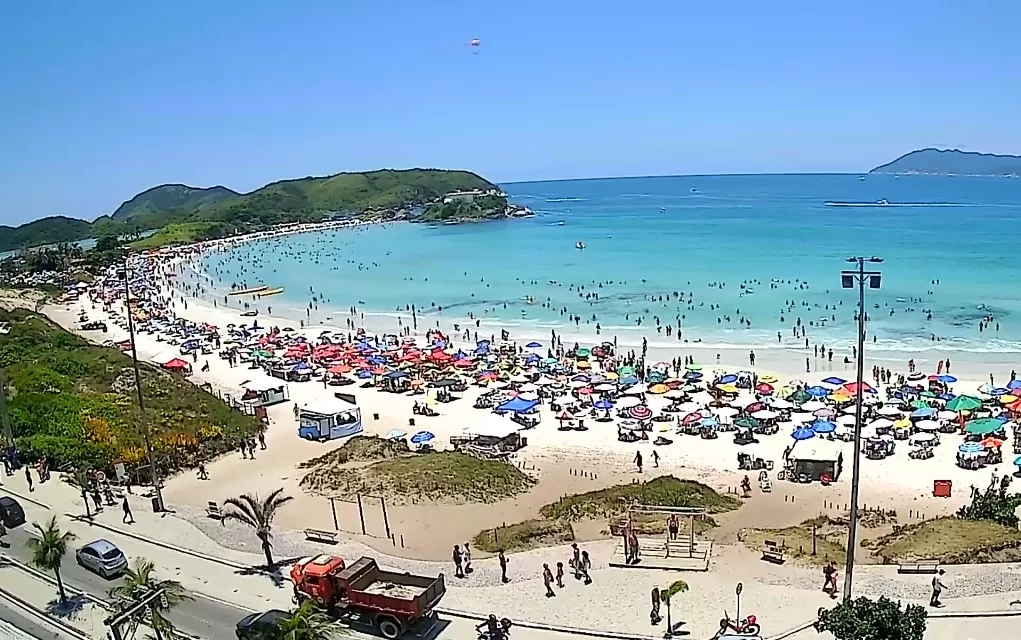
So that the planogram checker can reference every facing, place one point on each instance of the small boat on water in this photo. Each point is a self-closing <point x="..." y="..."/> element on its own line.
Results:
<point x="579" y="245"/>
<point x="270" y="292"/>
<point x="694" y="190"/>
<point x="242" y="292"/>
<point x="662" y="209"/>
<point x="560" y="224"/>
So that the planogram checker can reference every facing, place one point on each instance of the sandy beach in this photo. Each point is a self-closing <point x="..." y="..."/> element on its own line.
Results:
<point x="563" y="462"/>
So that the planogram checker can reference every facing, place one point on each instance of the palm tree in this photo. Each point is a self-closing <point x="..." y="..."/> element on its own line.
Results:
<point x="258" y="514"/>
<point x="48" y="550"/>
<point x="680" y="586"/>
<point x="140" y="579"/>
<point x="307" y="623"/>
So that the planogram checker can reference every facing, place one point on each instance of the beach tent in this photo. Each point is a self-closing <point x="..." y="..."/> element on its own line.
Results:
<point x="816" y="457"/>
<point x="329" y="418"/>
<point x="517" y="405"/>
<point x="264" y="391"/>
<point x="176" y="365"/>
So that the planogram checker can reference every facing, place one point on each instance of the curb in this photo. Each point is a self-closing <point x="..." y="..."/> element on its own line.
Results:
<point x="525" y="624"/>
<point x="790" y="632"/>
<point x="49" y="580"/>
<point x="20" y="496"/>
<point x="46" y="620"/>
<point x="165" y="545"/>
<point x="997" y="613"/>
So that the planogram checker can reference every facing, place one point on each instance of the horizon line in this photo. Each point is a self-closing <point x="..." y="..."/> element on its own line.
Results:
<point x="692" y="175"/>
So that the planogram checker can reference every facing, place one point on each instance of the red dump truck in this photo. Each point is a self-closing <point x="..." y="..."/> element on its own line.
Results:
<point x="392" y="602"/>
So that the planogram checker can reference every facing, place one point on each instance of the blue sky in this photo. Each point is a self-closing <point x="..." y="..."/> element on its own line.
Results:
<point x="104" y="99"/>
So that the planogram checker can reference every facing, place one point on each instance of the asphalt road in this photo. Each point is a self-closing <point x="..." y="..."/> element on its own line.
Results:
<point x="202" y="617"/>
<point x="15" y="625"/>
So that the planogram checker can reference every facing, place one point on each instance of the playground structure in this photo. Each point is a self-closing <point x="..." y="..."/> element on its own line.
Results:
<point x="685" y="552"/>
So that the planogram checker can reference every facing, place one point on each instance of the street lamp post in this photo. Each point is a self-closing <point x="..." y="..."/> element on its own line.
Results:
<point x="848" y="279"/>
<point x="158" y="506"/>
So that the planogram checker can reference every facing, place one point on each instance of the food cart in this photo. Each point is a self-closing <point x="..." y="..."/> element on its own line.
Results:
<point x="329" y="419"/>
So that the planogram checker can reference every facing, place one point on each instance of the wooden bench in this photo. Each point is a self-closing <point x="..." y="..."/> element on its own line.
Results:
<point x="321" y="535"/>
<point x="213" y="511"/>
<point x="772" y="552"/>
<point x="922" y="566"/>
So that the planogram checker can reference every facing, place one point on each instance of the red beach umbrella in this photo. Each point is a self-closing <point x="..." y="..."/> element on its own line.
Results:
<point x="852" y="388"/>
<point x="565" y="416"/>
<point x="464" y="364"/>
<point x="640" y="412"/>
<point x="764" y="389"/>
<point x="340" y="369"/>
<point x="692" y="417"/>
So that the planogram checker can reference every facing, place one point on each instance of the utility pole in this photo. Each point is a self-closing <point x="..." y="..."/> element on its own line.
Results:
<point x="138" y="388"/>
<point x="848" y="279"/>
<point x="5" y="419"/>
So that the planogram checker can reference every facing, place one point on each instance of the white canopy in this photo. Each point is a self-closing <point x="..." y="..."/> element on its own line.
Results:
<point x="888" y="410"/>
<point x="881" y="423"/>
<point x="637" y="389"/>
<point x="495" y="427"/>
<point x="765" y="414"/>
<point x="780" y="403"/>
<point x="813" y="405"/>
<point x="845" y="420"/>
<point x="927" y="425"/>
<point x="328" y="406"/>
<point x="264" y="383"/>
<point x="626" y="402"/>
<point x="816" y="449"/>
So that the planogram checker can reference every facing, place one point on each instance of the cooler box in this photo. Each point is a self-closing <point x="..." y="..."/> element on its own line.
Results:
<point x="941" y="488"/>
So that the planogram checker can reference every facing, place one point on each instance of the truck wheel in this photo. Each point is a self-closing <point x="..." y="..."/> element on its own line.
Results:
<point x="389" y="628"/>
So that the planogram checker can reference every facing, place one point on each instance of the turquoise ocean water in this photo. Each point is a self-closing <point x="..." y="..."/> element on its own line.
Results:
<point x="659" y="245"/>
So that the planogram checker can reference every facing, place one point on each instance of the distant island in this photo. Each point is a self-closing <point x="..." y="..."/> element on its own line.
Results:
<point x="951" y="162"/>
<point x="475" y="205"/>
<point x="180" y="213"/>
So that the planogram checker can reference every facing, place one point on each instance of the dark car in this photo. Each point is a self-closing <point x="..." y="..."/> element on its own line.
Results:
<point x="261" y="626"/>
<point x="11" y="512"/>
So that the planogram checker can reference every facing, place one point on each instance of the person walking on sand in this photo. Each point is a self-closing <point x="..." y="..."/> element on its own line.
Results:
<point x="586" y="564"/>
<point x="547" y="579"/>
<point x="503" y="567"/>
<point x="467" y="555"/>
<point x="829" y="579"/>
<point x="128" y="518"/>
<point x="202" y="472"/>
<point x="560" y="575"/>
<point x="655" y="459"/>
<point x="262" y="440"/>
<point x="937" y="589"/>
<point x="458" y="559"/>
<point x="638" y="461"/>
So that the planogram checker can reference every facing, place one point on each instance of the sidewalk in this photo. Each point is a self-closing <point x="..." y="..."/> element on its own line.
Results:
<point x="42" y="596"/>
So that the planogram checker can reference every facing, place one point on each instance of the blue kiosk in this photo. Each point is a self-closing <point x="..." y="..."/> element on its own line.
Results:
<point x="329" y="419"/>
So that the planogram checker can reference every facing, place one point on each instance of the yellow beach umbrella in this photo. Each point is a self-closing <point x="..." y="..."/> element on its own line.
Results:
<point x="583" y="364"/>
<point x="839" y="397"/>
<point x="767" y="378"/>
<point x="727" y="388"/>
<point x="903" y="423"/>
<point x="659" y="388"/>
<point x="610" y="375"/>
<point x="1007" y="399"/>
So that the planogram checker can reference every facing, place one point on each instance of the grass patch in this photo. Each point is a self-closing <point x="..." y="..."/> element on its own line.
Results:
<point x="950" y="540"/>
<point x="74" y="403"/>
<point x="797" y="540"/>
<point x="359" y="449"/>
<point x="443" y="475"/>
<point x="522" y="536"/>
<point x="663" y="491"/>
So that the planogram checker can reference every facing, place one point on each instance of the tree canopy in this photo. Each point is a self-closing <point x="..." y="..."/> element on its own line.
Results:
<point x="865" y="619"/>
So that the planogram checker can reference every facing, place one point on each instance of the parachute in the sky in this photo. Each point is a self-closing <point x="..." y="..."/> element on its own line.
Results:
<point x="474" y="44"/>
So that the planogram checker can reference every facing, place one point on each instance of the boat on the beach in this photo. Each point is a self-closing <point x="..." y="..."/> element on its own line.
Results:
<point x="242" y="292"/>
<point x="270" y="292"/>
<point x="579" y="245"/>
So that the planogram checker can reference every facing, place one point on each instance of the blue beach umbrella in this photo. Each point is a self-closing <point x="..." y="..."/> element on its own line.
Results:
<point x="1014" y="384"/>
<point x="999" y="391"/>
<point x="945" y="379"/>
<point x="971" y="447"/>
<point x="709" y="422"/>
<point x="817" y="392"/>
<point x="627" y="381"/>
<point x="1017" y="461"/>
<point x="823" y="426"/>
<point x="693" y="376"/>
<point x="581" y="377"/>
<point x="533" y="345"/>
<point x="602" y="404"/>
<point x="835" y="381"/>
<point x="421" y="436"/>
<point x="924" y="412"/>
<point x="727" y="379"/>
<point x="803" y="433"/>
<point x="364" y="373"/>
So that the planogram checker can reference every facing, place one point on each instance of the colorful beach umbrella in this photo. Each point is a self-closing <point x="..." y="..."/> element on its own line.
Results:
<point x="602" y="404"/>
<point x="835" y="381"/>
<point x="533" y="345"/>
<point x="964" y="403"/>
<point x="983" y="426"/>
<point x="641" y="412"/>
<point x="421" y="436"/>
<point x="823" y="426"/>
<point x="803" y="433"/>
<point x="817" y="392"/>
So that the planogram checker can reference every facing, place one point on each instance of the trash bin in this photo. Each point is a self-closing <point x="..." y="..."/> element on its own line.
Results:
<point x="157" y="504"/>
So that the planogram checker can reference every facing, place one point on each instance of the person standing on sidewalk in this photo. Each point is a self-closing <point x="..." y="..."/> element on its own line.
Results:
<point x="467" y="559"/>
<point x="547" y="579"/>
<point x="586" y="564"/>
<point x="128" y="518"/>
<point x="560" y="575"/>
<point x="937" y="589"/>
<point x="28" y="478"/>
<point x="576" y="560"/>
<point x="458" y="558"/>
<point x="503" y="567"/>
<point x="654" y="617"/>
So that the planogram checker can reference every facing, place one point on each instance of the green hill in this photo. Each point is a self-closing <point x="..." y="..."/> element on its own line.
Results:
<point x="50" y="230"/>
<point x="953" y="162"/>
<point x="171" y="196"/>
<point x="316" y="197"/>
<point x="217" y="211"/>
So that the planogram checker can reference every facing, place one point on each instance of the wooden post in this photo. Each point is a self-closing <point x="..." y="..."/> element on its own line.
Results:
<point x="386" y="521"/>
<point x="691" y="536"/>
<point x="361" y="513"/>
<point x="814" y="529"/>
<point x="333" y="507"/>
